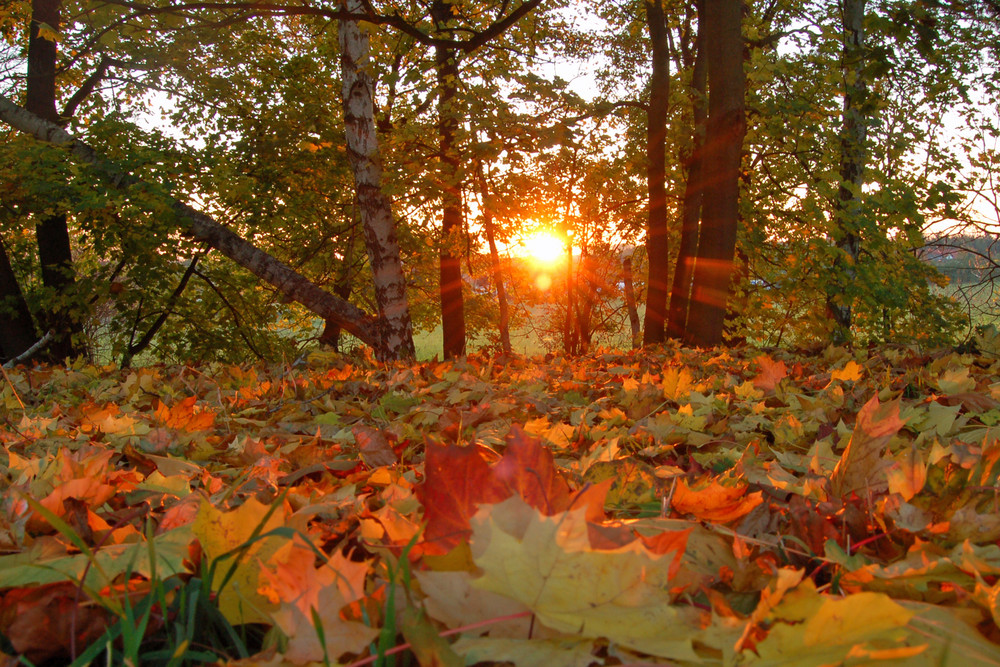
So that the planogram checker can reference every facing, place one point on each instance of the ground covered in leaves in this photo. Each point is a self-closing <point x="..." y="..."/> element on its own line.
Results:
<point x="671" y="507"/>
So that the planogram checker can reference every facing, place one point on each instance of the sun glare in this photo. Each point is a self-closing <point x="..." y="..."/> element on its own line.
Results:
<point x="544" y="247"/>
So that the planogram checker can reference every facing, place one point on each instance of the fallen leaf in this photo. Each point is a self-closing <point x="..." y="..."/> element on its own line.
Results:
<point x="714" y="501"/>
<point x="862" y="467"/>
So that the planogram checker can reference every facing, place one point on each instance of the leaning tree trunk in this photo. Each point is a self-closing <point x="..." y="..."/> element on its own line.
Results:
<point x="722" y="155"/>
<point x="848" y="213"/>
<point x="17" y="331"/>
<point x="657" y="235"/>
<point x="395" y="329"/>
<point x="202" y="227"/>
<point x="52" y="231"/>
<point x="680" y="295"/>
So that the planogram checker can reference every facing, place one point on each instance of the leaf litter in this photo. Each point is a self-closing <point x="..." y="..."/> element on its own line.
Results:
<point x="730" y="507"/>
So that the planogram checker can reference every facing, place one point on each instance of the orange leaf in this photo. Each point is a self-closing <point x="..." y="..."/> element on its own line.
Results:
<point x="771" y="373"/>
<point x="183" y="416"/>
<point x="715" y="502"/>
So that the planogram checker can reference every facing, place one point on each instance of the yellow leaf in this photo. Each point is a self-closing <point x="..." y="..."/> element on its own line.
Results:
<point x="220" y="532"/>
<point x="547" y="563"/>
<point x="806" y="628"/>
<point x="677" y="383"/>
<point x="47" y="32"/>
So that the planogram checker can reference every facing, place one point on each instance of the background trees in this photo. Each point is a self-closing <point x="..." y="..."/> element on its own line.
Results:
<point x="869" y="135"/>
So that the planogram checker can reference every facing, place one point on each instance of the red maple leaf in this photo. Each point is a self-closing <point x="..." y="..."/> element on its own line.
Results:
<point x="456" y="481"/>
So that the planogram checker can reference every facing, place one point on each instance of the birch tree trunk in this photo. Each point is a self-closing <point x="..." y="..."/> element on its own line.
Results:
<point x="722" y="155"/>
<point x="202" y="227"/>
<point x="848" y="214"/>
<point x="395" y="328"/>
<point x="657" y="239"/>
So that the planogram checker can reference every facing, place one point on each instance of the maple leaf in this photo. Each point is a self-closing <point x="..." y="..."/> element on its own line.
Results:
<point x="456" y="481"/>
<point x="714" y="501"/>
<point x="771" y="373"/>
<point x="219" y="533"/>
<point x="542" y="562"/>
<point x="807" y="628"/>
<point x="528" y="470"/>
<point x="306" y="595"/>
<point x="862" y="462"/>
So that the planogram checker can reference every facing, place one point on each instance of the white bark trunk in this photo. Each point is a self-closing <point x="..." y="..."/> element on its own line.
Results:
<point x="396" y="331"/>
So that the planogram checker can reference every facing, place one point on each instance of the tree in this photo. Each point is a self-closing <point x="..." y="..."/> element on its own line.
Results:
<point x="657" y="232"/>
<point x="687" y="249"/>
<point x="396" y="332"/>
<point x="722" y="157"/>
<point x="52" y="232"/>
<point x="846" y="234"/>
<point x="452" y="227"/>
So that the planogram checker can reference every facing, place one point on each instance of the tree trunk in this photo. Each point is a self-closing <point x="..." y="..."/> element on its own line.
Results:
<point x="657" y="238"/>
<point x="848" y="213"/>
<point x="680" y="296"/>
<point x="17" y="330"/>
<point x="629" y="289"/>
<point x="395" y="329"/>
<point x="452" y="229"/>
<point x="722" y="154"/>
<point x="52" y="231"/>
<point x="497" y="272"/>
<point x="569" y="326"/>
<point x="202" y="227"/>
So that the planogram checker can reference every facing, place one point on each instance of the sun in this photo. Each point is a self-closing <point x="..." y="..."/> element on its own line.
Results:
<point x="544" y="247"/>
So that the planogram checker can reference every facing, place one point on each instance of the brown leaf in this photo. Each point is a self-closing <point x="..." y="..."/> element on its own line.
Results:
<point x="48" y="622"/>
<point x="862" y="463"/>
<point x="375" y="450"/>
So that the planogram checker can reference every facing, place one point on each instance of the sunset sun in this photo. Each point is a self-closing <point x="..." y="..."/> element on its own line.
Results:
<point x="544" y="247"/>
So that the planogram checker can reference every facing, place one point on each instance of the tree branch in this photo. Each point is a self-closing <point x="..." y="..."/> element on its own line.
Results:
<point x="202" y="227"/>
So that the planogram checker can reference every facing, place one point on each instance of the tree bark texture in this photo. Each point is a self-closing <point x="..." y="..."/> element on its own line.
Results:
<point x="657" y="233"/>
<point x="395" y="328"/>
<point x="452" y="229"/>
<point x="17" y="330"/>
<point x="722" y="155"/>
<point x="202" y="227"/>
<point x="52" y="231"/>
<point x="680" y="294"/>
<point x="848" y="214"/>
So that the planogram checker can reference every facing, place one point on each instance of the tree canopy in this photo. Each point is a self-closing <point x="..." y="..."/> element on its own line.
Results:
<point x="237" y="180"/>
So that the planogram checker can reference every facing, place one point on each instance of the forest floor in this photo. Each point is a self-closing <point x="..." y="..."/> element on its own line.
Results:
<point x="672" y="506"/>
